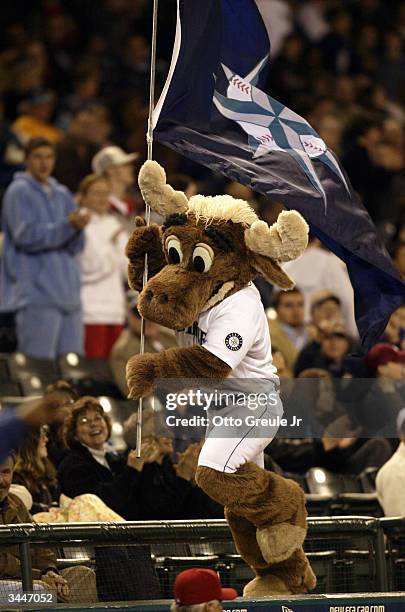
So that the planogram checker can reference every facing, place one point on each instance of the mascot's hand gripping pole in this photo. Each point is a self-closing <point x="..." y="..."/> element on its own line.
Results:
<point x="149" y="140"/>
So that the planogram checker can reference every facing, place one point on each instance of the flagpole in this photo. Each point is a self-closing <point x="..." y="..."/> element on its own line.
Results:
<point x="149" y="140"/>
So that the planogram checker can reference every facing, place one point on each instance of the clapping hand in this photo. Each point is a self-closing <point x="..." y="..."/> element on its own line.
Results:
<point x="150" y="453"/>
<point x="187" y="462"/>
<point x="79" y="219"/>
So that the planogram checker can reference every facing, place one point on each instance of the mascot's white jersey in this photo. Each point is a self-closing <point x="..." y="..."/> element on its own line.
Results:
<point x="236" y="331"/>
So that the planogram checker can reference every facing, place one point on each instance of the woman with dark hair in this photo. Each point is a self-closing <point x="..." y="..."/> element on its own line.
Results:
<point x="89" y="468"/>
<point x="34" y="471"/>
<point x="67" y="396"/>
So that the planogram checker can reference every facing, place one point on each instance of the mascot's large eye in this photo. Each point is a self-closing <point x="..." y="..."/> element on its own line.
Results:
<point x="174" y="252"/>
<point x="203" y="256"/>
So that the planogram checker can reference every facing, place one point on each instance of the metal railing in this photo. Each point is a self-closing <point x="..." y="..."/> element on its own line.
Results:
<point x="349" y="554"/>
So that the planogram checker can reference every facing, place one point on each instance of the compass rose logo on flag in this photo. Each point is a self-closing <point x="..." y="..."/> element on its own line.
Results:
<point x="271" y="126"/>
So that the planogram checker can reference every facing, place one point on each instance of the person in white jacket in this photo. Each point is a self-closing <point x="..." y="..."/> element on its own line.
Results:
<point x="103" y="267"/>
<point x="390" y="481"/>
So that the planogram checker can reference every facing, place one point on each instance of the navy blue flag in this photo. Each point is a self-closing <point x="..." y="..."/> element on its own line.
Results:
<point x="213" y="111"/>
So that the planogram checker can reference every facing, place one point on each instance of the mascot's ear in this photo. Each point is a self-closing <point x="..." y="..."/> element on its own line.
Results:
<point x="161" y="197"/>
<point x="271" y="271"/>
<point x="285" y="240"/>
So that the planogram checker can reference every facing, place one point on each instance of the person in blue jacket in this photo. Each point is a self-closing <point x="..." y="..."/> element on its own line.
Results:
<point x="40" y="279"/>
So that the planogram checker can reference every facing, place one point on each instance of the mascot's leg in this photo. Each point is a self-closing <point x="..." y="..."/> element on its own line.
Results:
<point x="267" y="517"/>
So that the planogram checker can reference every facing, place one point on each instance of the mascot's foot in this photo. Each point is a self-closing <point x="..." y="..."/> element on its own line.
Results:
<point x="296" y="573"/>
<point x="266" y="586"/>
<point x="278" y="542"/>
<point x="291" y="577"/>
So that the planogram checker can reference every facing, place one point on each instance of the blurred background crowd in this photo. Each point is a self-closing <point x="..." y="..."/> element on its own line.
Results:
<point x="74" y="78"/>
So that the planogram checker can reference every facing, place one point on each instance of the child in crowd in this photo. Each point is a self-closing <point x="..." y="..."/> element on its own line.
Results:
<point x="103" y="267"/>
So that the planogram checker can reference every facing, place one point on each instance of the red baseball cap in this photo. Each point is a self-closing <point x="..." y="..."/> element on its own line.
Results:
<point x="383" y="353"/>
<point x="198" y="585"/>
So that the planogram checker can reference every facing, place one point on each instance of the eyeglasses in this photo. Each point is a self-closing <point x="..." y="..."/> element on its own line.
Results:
<point x="86" y="421"/>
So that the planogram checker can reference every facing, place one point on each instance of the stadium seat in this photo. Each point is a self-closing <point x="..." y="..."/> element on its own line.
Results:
<point x="21" y="365"/>
<point x="10" y="389"/>
<point x="4" y="370"/>
<point x="234" y="572"/>
<point x="367" y="479"/>
<point x="346" y="492"/>
<point x="88" y="376"/>
<point x="323" y="482"/>
<point x="33" y="375"/>
<point x="167" y="569"/>
<point x="318" y="505"/>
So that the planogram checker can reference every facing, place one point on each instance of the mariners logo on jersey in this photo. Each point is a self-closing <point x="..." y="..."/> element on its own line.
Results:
<point x="233" y="341"/>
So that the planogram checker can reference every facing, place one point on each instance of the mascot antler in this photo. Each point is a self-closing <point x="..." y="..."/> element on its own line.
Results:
<point x="283" y="241"/>
<point x="160" y="196"/>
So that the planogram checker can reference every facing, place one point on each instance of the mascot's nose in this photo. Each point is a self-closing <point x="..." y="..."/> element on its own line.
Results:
<point x="161" y="298"/>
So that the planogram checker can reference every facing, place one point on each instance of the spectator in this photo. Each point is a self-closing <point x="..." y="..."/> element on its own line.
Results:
<point x="377" y="401"/>
<point x="325" y="306"/>
<point x="394" y="332"/>
<point x="283" y="372"/>
<point x="68" y="584"/>
<point x="330" y="129"/>
<point x="117" y="167"/>
<point x="34" y="470"/>
<point x="319" y="269"/>
<point x="35" y="118"/>
<point x="40" y="280"/>
<point x="11" y="152"/>
<point x="68" y="395"/>
<point x="85" y="90"/>
<point x="167" y="490"/>
<point x="382" y="355"/>
<point x="14" y="424"/>
<point x="88" y="130"/>
<point x="311" y="19"/>
<point x="103" y="268"/>
<point x="287" y="80"/>
<point x="288" y="331"/>
<point x="337" y="46"/>
<point x="329" y="353"/>
<point x="200" y="589"/>
<point x="391" y="477"/>
<point x="391" y="71"/>
<point x="157" y="338"/>
<point x="372" y="166"/>
<point x="88" y="467"/>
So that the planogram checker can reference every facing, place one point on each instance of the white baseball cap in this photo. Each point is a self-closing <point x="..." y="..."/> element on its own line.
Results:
<point x="109" y="157"/>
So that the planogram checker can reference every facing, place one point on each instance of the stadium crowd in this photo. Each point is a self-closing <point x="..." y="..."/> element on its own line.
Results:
<point x="74" y="87"/>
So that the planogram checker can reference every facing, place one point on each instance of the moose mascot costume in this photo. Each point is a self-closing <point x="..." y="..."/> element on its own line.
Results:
<point x="201" y="264"/>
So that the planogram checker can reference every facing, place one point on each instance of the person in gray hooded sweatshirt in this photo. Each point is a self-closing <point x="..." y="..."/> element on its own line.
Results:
<point x="40" y="279"/>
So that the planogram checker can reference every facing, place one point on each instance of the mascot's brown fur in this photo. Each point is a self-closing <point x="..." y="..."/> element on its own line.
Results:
<point x="207" y="250"/>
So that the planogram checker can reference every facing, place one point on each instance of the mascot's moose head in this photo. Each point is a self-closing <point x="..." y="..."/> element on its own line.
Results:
<point x="207" y="249"/>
